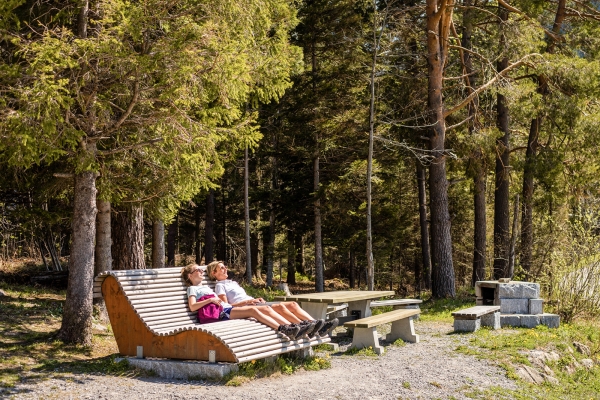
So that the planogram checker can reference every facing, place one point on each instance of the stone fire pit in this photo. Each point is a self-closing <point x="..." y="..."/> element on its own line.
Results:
<point x="520" y="303"/>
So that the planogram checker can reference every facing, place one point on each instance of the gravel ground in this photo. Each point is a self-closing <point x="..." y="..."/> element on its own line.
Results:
<point x="427" y="370"/>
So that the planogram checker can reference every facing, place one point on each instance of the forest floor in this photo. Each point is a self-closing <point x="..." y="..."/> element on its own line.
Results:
<point x="486" y="364"/>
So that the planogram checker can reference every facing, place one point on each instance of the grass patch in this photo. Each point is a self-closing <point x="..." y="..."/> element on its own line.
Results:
<point x="366" y="351"/>
<point x="283" y="365"/>
<point x="441" y="310"/>
<point x="29" y="320"/>
<point x="510" y="348"/>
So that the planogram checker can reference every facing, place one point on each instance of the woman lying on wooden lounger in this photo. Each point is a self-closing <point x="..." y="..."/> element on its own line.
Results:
<point x="231" y="292"/>
<point x="192" y="275"/>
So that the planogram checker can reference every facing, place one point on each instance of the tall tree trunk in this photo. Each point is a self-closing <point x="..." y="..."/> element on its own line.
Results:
<point x="247" y="219"/>
<point x="271" y="247"/>
<point x="526" y="248"/>
<point x="128" y="238"/>
<point x="510" y="271"/>
<point x="425" y="248"/>
<point x="291" y="258"/>
<point x="223" y="242"/>
<point x="501" y="195"/>
<point x="172" y="241"/>
<point x="209" y="227"/>
<point x="76" y="324"/>
<point x="352" y="268"/>
<point x="477" y="159"/>
<point x="439" y="18"/>
<point x="198" y="236"/>
<point x="299" y="246"/>
<point x="158" y="244"/>
<point x="319" y="281"/>
<point x="254" y="246"/>
<point x="103" y="256"/>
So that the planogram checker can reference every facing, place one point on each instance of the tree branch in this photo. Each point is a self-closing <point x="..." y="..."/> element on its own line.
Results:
<point x="126" y="148"/>
<point x="127" y="113"/>
<point x="517" y="11"/>
<point x="480" y="89"/>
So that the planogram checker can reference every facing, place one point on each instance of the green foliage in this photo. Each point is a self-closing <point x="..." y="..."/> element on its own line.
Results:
<point x="282" y="364"/>
<point x="365" y="351"/>
<point x="511" y="348"/>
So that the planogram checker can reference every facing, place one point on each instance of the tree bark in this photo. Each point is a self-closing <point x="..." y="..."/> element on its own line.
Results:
<point x="527" y="237"/>
<point x="425" y="248"/>
<point x="477" y="160"/>
<point x="158" y="244"/>
<point x="76" y="324"/>
<point x="198" y="236"/>
<point x="299" y="246"/>
<point x="352" y="269"/>
<point x="271" y="247"/>
<point x="128" y="238"/>
<point x="319" y="282"/>
<point x="291" y="258"/>
<point x="172" y="241"/>
<point x="501" y="195"/>
<point x="438" y="28"/>
<point x="103" y="256"/>
<point x="247" y="219"/>
<point x="209" y="226"/>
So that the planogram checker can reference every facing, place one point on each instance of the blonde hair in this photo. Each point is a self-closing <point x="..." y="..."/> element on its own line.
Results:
<point x="187" y="271"/>
<point x="212" y="268"/>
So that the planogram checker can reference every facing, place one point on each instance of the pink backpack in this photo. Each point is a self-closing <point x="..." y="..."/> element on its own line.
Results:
<point x="210" y="312"/>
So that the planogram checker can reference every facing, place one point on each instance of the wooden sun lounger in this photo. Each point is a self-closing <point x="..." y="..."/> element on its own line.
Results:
<point x="150" y="317"/>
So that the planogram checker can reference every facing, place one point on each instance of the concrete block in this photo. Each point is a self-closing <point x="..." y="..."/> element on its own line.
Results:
<point x="509" y="291"/>
<point x="529" y="321"/>
<point x="510" y="320"/>
<point x="479" y="302"/>
<point x="519" y="290"/>
<point x="172" y="369"/>
<point x="530" y="290"/>
<point x="492" y="320"/>
<point x="536" y="306"/>
<point x="466" y="325"/>
<point x="303" y="353"/>
<point x="514" y="306"/>
<point x="550" y="320"/>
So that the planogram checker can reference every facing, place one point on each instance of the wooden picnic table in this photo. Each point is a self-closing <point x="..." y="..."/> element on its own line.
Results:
<point x="358" y="300"/>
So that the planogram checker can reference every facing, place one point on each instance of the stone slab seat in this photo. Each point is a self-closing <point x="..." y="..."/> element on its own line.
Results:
<point x="365" y="329"/>
<point x="471" y="319"/>
<point x="150" y="317"/>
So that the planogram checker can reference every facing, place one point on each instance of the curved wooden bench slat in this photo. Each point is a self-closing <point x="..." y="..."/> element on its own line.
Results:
<point x="149" y="308"/>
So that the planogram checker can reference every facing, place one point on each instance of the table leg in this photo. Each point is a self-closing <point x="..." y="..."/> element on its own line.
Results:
<point x="403" y="329"/>
<point x="315" y="310"/>
<point x="364" y="306"/>
<point x="367" y="337"/>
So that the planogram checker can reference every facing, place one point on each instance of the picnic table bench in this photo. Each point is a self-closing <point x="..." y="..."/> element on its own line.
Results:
<point x="150" y="317"/>
<point x="471" y="319"/>
<point x="365" y="329"/>
<point x="398" y="303"/>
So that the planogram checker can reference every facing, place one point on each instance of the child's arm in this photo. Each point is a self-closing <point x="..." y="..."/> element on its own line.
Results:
<point x="196" y="305"/>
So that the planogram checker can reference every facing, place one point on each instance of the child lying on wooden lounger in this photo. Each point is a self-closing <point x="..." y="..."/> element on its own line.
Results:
<point x="192" y="275"/>
<point x="231" y="292"/>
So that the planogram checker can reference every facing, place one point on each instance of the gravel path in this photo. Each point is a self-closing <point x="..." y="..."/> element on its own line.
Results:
<point x="430" y="369"/>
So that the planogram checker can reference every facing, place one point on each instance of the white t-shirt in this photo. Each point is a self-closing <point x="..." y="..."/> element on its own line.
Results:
<point x="232" y="290"/>
<point x="199" y="291"/>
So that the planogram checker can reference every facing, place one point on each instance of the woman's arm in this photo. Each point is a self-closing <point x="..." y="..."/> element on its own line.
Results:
<point x="196" y="305"/>
<point x="249" y="302"/>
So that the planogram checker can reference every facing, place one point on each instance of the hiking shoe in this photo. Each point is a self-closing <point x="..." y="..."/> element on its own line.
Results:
<point x="305" y="327"/>
<point x="318" y="324"/>
<point x="291" y="330"/>
<point x="328" y="327"/>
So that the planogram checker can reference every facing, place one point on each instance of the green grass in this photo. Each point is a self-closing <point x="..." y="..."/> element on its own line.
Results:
<point x="366" y="351"/>
<point x="29" y="320"/>
<point x="441" y="310"/>
<point x="509" y="348"/>
<point x="284" y="365"/>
